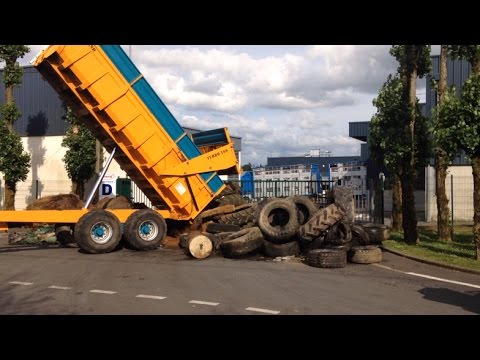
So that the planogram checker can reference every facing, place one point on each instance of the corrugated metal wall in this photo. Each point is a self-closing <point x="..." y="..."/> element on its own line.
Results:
<point x="41" y="108"/>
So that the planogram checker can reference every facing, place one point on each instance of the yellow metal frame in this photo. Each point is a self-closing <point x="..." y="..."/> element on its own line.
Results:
<point x="99" y="95"/>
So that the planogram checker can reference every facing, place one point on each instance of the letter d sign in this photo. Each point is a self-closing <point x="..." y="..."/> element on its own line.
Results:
<point x="106" y="189"/>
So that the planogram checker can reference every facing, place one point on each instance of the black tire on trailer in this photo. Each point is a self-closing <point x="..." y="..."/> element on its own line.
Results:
<point x="339" y="234"/>
<point x="97" y="232"/>
<point x="64" y="235"/>
<point x="305" y="207"/>
<point x="326" y="258"/>
<point x="359" y="235"/>
<point x="145" y="229"/>
<point x="278" y="220"/>
<point x="278" y="250"/>
<point x="242" y="242"/>
<point x="365" y="254"/>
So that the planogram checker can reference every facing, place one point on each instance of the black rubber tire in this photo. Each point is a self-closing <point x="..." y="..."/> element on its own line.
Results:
<point x="359" y="235"/>
<point x="307" y="246"/>
<point x="103" y="220"/>
<point x="278" y="221"/>
<point x="305" y="207"/>
<point x="230" y="199"/>
<point x="327" y="258"/>
<point x="345" y="247"/>
<point x="339" y="234"/>
<point x="365" y="254"/>
<point x="320" y="222"/>
<point x="219" y="238"/>
<point x="279" y="250"/>
<point x="377" y="233"/>
<point x="239" y="218"/>
<point x="64" y="235"/>
<point x="242" y="243"/>
<point x="215" y="228"/>
<point x="259" y="206"/>
<point x="153" y="222"/>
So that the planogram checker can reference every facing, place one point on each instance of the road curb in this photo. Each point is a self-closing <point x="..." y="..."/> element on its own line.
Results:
<point x="431" y="262"/>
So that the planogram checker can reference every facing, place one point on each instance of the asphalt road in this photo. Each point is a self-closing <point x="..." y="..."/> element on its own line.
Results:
<point x="55" y="280"/>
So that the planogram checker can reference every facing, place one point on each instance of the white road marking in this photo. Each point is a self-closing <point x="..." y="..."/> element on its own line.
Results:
<point x="103" y="292"/>
<point x="430" y="277"/>
<point x="20" y="283"/>
<point x="263" y="310"/>
<point x="151" y="297"/>
<point x="444" y="280"/>
<point x="59" y="287"/>
<point x="203" y="302"/>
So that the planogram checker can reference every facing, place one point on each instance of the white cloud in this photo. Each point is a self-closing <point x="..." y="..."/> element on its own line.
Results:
<point x="280" y="100"/>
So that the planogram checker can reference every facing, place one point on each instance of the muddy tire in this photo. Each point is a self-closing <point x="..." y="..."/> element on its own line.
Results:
<point x="278" y="221"/>
<point x="97" y="232"/>
<point x="307" y="246"/>
<point x="320" y="222"/>
<point x="339" y="234"/>
<point x="239" y="218"/>
<point x="279" y="250"/>
<point x="305" y="207"/>
<point x="377" y="233"/>
<point x="359" y="235"/>
<point x="326" y="258"/>
<point x="365" y="254"/>
<point x="218" y="228"/>
<point x="145" y="229"/>
<point x="230" y="199"/>
<point x="64" y="234"/>
<point x="242" y="243"/>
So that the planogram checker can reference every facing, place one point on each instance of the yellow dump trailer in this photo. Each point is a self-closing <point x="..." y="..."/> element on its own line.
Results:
<point x="177" y="172"/>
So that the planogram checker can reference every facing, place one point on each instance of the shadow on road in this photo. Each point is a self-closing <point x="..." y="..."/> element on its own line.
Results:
<point x="469" y="301"/>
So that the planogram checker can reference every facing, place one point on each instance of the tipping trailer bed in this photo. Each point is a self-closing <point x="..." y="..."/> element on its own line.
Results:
<point x="106" y="91"/>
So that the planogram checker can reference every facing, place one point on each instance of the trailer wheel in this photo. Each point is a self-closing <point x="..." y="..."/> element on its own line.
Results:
<point x="98" y="232"/>
<point x="64" y="235"/>
<point x="145" y="229"/>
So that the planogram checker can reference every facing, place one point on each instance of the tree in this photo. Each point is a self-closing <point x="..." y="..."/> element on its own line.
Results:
<point x="387" y="143"/>
<point x="442" y="157"/>
<point x="11" y="147"/>
<point x="80" y="158"/>
<point x="247" y="167"/>
<point x="383" y="141"/>
<point x="414" y="62"/>
<point x="461" y="125"/>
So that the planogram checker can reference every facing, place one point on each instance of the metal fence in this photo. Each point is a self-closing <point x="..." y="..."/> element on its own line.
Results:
<point x="319" y="191"/>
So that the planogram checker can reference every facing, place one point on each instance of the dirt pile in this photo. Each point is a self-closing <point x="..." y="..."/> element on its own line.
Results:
<point x="57" y="202"/>
<point x="119" y="202"/>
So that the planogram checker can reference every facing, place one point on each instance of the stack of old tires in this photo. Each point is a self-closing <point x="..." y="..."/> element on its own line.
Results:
<point x="283" y="227"/>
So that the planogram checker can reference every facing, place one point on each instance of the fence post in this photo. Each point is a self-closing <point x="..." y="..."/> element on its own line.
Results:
<point x="451" y="202"/>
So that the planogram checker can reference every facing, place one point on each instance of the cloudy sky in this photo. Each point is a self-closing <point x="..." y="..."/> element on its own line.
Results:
<point x="281" y="100"/>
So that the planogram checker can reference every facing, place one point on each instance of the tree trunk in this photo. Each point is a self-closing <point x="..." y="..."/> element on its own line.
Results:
<point x="444" y="233"/>
<point x="443" y="213"/>
<point x="397" y="204"/>
<point x="78" y="189"/>
<point x="476" y="204"/>
<point x="408" y="198"/>
<point x="9" y="198"/>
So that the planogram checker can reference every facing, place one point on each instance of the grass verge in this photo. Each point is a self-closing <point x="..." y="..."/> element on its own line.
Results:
<point x="460" y="252"/>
